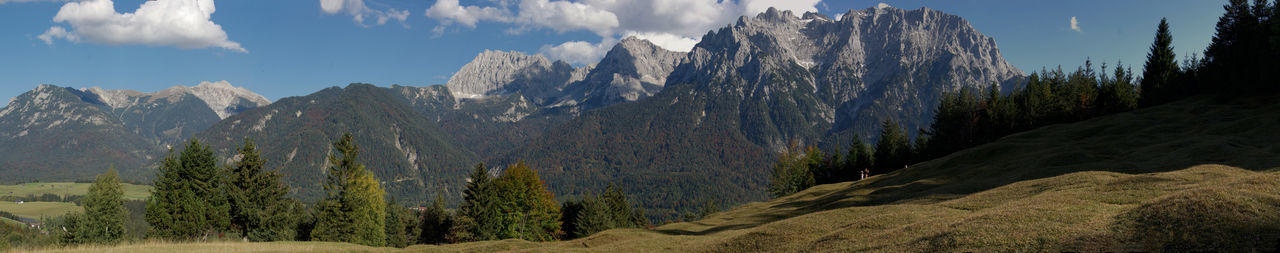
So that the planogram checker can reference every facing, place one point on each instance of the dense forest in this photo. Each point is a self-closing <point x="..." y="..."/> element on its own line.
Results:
<point x="198" y="199"/>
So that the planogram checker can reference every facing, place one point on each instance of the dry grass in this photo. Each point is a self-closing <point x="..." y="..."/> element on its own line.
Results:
<point x="167" y="247"/>
<point x="1195" y="175"/>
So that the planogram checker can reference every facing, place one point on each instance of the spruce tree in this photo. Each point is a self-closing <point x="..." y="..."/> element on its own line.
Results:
<point x="594" y="217"/>
<point x="893" y="150"/>
<point x="353" y="209"/>
<point x="259" y="208"/>
<point x="189" y="201"/>
<point x="858" y="159"/>
<point x="435" y="223"/>
<point x="395" y="225"/>
<point x="477" y="217"/>
<point x="1160" y="73"/>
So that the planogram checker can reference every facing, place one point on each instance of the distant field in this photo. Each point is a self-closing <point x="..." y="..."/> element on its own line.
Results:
<point x="34" y="210"/>
<point x="131" y="191"/>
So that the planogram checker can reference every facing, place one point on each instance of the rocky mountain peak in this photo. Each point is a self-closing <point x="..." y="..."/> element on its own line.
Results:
<point x="223" y="98"/>
<point x="491" y="71"/>
<point x="631" y="70"/>
<point x="495" y="73"/>
<point x="226" y="100"/>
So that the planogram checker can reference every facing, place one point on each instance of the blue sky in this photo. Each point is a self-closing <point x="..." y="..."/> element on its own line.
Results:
<point x="296" y="47"/>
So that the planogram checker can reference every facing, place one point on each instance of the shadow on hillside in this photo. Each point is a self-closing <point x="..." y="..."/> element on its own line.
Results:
<point x="1204" y="130"/>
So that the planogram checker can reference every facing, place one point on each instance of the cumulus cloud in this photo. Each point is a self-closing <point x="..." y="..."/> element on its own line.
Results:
<point x="578" y="52"/>
<point x="359" y="11"/>
<point x="449" y="12"/>
<point x="1075" y="25"/>
<point x="27" y="1"/>
<point x="667" y="41"/>
<point x="183" y="24"/>
<point x="672" y="24"/>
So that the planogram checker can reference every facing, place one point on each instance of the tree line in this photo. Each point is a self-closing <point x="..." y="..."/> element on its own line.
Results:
<point x="196" y="199"/>
<point x="1241" y="60"/>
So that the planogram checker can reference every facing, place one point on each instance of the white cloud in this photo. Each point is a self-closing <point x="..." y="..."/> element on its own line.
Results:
<point x="579" y="52"/>
<point x="183" y="24"/>
<point x="673" y="42"/>
<point x="57" y="32"/>
<point x="1075" y="25"/>
<point x="359" y="11"/>
<point x="28" y="1"/>
<point x="449" y="12"/>
<point x="672" y="24"/>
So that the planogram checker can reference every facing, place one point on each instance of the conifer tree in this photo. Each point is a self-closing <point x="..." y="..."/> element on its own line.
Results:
<point x="189" y="201"/>
<point x="1161" y="70"/>
<point x="354" y="209"/>
<point x="395" y="225"/>
<point x="259" y="208"/>
<point x="477" y="217"/>
<point x="435" y="222"/>
<point x="594" y="217"/>
<point x="893" y="150"/>
<point x="859" y="158"/>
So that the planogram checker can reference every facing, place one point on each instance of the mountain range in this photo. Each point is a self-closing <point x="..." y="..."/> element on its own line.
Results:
<point x="676" y="129"/>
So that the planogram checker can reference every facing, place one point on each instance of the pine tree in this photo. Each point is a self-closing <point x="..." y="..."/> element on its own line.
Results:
<point x="1228" y="51"/>
<point x="893" y="150"/>
<point x="189" y="200"/>
<point x="594" y="217"/>
<point x="259" y="208"/>
<point x="859" y="158"/>
<point x="476" y="219"/>
<point x="435" y="223"/>
<point x="354" y="209"/>
<point x="1161" y="70"/>
<point x="620" y="209"/>
<point x="104" y="213"/>
<point x="395" y="225"/>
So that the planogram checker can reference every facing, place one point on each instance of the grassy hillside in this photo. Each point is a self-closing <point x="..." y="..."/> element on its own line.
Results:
<point x="1196" y="175"/>
<point x="4" y="220"/>
<point x="131" y="191"/>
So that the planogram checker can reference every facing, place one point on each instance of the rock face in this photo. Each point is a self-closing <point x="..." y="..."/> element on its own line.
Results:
<point x="134" y="127"/>
<point x="748" y="90"/>
<point x="495" y="73"/>
<point x="632" y="70"/>
<point x="870" y="65"/>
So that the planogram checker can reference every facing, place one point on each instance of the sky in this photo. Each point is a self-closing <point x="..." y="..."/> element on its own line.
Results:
<point x="296" y="47"/>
